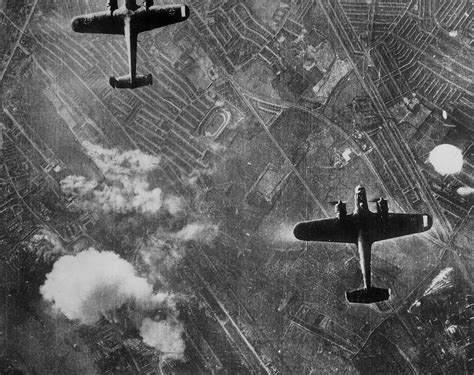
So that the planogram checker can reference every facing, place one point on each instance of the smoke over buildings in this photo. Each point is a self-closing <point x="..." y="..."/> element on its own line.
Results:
<point x="126" y="189"/>
<point x="47" y="245"/>
<point x="93" y="284"/>
<point x="164" y="335"/>
<point x="197" y="231"/>
<point x="146" y="218"/>
<point x="465" y="191"/>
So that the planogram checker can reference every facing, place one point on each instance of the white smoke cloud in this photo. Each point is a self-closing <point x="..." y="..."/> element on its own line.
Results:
<point x="164" y="335"/>
<point x="197" y="232"/>
<point x="160" y="256"/>
<point x="93" y="284"/>
<point x="446" y="159"/>
<point x="162" y="251"/>
<point x="465" y="191"/>
<point x="90" y="284"/>
<point x="442" y="281"/>
<point x="47" y="245"/>
<point x="127" y="189"/>
<point x="113" y="162"/>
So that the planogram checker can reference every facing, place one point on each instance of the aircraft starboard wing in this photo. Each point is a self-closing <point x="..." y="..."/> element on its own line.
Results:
<point x="159" y="16"/>
<point x="98" y="23"/>
<point x="397" y="225"/>
<point x="327" y="230"/>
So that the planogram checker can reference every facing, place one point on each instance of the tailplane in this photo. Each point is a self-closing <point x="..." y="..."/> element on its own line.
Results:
<point x="368" y="295"/>
<point x="125" y="82"/>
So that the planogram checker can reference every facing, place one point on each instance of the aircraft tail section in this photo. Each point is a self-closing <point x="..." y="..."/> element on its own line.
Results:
<point x="125" y="82"/>
<point x="368" y="295"/>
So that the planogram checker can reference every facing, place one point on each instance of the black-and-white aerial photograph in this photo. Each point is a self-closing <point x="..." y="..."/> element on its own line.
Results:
<point x="236" y="187"/>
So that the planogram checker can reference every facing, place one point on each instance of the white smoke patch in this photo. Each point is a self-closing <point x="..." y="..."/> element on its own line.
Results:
<point x="198" y="232"/>
<point x="164" y="335"/>
<point x="446" y="159"/>
<point x="201" y="178"/>
<point x="173" y="204"/>
<point x="47" y="245"/>
<point x="161" y="252"/>
<point x="442" y="281"/>
<point x="127" y="189"/>
<point x="217" y="147"/>
<point x="113" y="162"/>
<point x="93" y="284"/>
<point x="160" y="256"/>
<point x="465" y="191"/>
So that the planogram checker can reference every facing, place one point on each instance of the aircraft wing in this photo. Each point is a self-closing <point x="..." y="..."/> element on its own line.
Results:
<point x="98" y="23"/>
<point x="397" y="225"/>
<point x="327" y="230"/>
<point x="159" y="16"/>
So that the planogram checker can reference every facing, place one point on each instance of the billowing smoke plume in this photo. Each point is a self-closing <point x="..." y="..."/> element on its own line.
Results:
<point x="47" y="245"/>
<point x="442" y="282"/>
<point x="197" y="232"/>
<point x="145" y="219"/>
<point x="127" y="189"/>
<point x="164" y="335"/>
<point x="93" y="284"/>
<point x="162" y="251"/>
<point x="90" y="284"/>
<point x="465" y="191"/>
<point x="160" y="256"/>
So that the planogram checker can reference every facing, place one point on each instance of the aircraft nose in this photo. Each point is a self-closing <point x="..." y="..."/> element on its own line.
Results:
<point x="300" y="231"/>
<point x="360" y="188"/>
<point x="76" y="24"/>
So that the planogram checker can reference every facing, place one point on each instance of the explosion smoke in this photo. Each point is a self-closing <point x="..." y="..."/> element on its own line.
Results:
<point x="465" y="191"/>
<point x="164" y="335"/>
<point x="442" y="281"/>
<point x="127" y="190"/>
<point x="47" y="245"/>
<point x="446" y="159"/>
<point x="90" y="284"/>
<point x="93" y="284"/>
<point x="198" y="232"/>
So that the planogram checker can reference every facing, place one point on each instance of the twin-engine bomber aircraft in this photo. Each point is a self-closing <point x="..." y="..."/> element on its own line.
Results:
<point x="130" y="20"/>
<point x="363" y="228"/>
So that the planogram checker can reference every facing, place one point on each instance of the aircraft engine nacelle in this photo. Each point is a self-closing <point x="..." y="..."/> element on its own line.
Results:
<point x="382" y="207"/>
<point x="340" y="209"/>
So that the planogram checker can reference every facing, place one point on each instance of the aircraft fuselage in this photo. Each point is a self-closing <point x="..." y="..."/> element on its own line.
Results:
<point x="363" y="227"/>
<point x="130" y="20"/>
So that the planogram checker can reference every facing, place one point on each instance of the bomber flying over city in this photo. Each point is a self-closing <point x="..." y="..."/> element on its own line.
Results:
<point x="363" y="228"/>
<point x="130" y="20"/>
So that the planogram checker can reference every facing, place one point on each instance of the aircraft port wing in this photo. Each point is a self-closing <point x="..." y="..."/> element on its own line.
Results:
<point x="397" y="225"/>
<point x="98" y="23"/>
<point x="328" y="230"/>
<point x="159" y="16"/>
